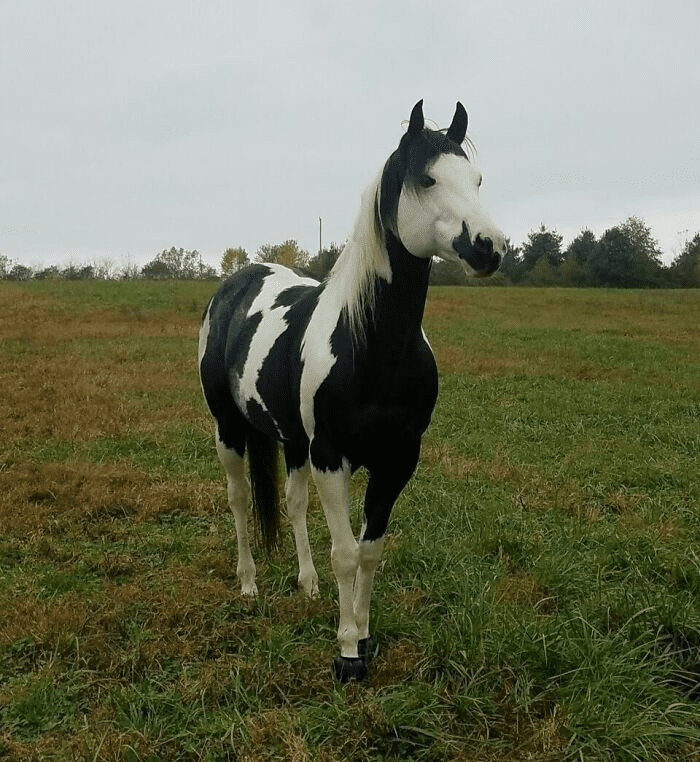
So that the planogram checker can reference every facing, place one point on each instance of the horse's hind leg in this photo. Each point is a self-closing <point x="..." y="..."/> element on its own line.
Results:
<point x="238" y="490"/>
<point x="297" y="497"/>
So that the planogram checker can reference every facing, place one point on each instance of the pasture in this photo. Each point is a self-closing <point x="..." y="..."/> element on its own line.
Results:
<point x="539" y="597"/>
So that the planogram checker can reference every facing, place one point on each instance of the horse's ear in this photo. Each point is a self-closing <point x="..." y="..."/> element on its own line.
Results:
<point x="458" y="128"/>
<point x="417" y="122"/>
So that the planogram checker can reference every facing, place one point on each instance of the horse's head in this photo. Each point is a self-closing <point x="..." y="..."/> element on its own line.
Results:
<point x="429" y="197"/>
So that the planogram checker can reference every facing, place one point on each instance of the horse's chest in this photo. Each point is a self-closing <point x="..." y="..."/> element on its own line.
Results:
<point x="378" y="405"/>
<point x="398" y="399"/>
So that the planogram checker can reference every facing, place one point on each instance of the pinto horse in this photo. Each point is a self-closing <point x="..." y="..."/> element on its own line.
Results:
<point x="340" y="372"/>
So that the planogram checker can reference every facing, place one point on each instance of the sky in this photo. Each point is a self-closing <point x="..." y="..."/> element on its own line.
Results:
<point x="127" y="128"/>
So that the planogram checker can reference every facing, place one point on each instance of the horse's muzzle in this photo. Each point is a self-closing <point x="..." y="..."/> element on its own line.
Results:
<point x="480" y="255"/>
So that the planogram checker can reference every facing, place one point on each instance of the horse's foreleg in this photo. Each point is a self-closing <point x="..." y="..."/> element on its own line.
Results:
<point x="383" y="489"/>
<point x="332" y="488"/>
<point x="297" y="496"/>
<point x="370" y="558"/>
<point x="238" y="490"/>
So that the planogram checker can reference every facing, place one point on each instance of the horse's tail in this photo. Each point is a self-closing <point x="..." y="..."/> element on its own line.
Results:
<point x="263" y="456"/>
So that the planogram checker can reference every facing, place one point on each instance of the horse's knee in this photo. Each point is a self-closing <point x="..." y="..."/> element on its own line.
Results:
<point x="370" y="554"/>
<point x="345" y="560"/>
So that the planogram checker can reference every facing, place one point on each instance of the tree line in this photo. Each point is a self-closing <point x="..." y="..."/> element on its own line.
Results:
<point x="170" y="264"/>
<point x="625" y="256"/>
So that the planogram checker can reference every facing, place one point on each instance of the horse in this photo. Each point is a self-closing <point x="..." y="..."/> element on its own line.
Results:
<point x="340" y="372"/>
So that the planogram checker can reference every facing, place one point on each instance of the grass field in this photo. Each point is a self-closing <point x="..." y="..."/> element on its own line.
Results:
<point x="539" y="597"/>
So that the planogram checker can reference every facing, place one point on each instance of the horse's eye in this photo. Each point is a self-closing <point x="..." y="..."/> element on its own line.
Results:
<point x="427" y="181"/>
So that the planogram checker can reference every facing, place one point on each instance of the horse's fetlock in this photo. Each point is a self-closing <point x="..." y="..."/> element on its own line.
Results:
<point x="308" y="582"/>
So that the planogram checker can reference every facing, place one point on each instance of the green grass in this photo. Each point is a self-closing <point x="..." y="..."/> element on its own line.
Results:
<point x="539" y="595"/>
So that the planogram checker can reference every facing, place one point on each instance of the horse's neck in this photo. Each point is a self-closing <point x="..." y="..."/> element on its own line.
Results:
<point x="398" y="311"/>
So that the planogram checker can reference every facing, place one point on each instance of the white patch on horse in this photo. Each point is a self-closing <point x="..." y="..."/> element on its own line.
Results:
<point x="272" y="325"/>
<point x="203" y="337"/>
<point x="349" y="289"/>
<point x="317" y="357"/>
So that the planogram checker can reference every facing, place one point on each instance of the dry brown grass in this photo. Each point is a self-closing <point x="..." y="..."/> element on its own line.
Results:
<point x="49" y="498"/>
<point x="51" y="389"/>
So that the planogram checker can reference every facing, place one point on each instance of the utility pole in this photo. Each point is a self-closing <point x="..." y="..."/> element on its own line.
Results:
<point x="320" y="236"/>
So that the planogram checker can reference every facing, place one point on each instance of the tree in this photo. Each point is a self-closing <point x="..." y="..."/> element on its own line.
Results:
<point x="129" y="271"/>
<point x="104" y="268"/>
<point x="512" y="265"/>
<point x="320" y="265"/>
<point x="640" y="235"/>
<point x="685" y="268"/>
<point x="647" y="253"/>
<point x="5" y="266"/>
<point x="78" y="272"/>
<point x="581" y="247"/>
<point x="542" y="243"/>
<point x="20" y="272"/>
<point x="206" y="272"/>
<point x="544" y="273"/>
<point x="48" y="273"/>
<point x="613" y="261"/>
<point x="178" y="263"/>
<point x="626" y="256"/>
<point x="287" y="253"/>
<point x="233" y="259"/>
<point x="574" y="269"/>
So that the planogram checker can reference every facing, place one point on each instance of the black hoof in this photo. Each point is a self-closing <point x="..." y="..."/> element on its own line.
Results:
<point x="346" y="669"/>
<point x="368" y="648"/>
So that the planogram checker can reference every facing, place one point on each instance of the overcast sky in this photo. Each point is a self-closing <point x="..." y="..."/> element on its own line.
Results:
<point x="129" y="127"/>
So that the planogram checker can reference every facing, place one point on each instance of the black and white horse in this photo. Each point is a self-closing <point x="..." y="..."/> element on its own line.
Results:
<point x="341" y="372"/>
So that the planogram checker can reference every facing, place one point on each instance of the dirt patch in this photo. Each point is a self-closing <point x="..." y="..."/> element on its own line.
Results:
<point x="523" y="589"/>
<point x="457" y="466"/>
